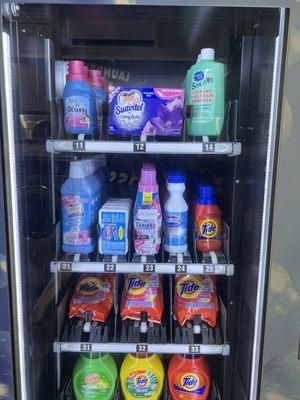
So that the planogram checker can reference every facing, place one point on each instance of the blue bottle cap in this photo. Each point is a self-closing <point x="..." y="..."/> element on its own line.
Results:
<point x="176" y="176"/>
<point x="206" y="195"/>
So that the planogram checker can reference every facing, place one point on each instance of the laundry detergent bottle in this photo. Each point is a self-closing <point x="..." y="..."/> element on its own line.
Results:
<point x="147" y="218"/>
<point x="189" y="377"/>
<point x="78" y="101"/>
<point x="94" y="377"/>
<point x="175" y="215"/>
<point x="208" y="220"/>
<point x="142" y="377"/>
<point x="205" y="96"/>
<point x="78" y="224"/>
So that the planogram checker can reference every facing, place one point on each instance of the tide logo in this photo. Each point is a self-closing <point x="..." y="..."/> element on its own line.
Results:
<point x="136" y="284"/>
<point x="189" y="287"/>
<point x="89" y="286"/>
<point x="141" y="381"/>
<point x="190" y="384"/>
<point x="209" y="228"/>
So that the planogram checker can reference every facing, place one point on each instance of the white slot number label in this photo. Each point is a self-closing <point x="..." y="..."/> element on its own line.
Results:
<point x="65" y="266"/>
<point x="209" y="147"/>
<point x="180" y="268"/>
<point x="110" y="267"/>
<point x="149" y="268"/>
<point x="209" y="269"/>
<point x="142" y="348"/>
<point x="195" y="348"/>
<point x="78" y="145"/>
<point x="86" y="347"/>
<point x="139" y="147"/>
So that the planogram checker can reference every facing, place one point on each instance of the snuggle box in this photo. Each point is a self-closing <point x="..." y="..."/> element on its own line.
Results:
<point x="145" y="111"/>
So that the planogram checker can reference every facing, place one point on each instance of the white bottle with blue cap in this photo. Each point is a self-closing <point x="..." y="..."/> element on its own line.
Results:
<point x="176" y="215"/>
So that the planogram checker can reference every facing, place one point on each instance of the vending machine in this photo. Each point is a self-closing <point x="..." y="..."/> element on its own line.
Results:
<point x="139" y="151"/>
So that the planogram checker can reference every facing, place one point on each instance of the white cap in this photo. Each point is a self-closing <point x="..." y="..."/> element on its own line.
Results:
<point x="88" y="166"/>
<point x="207" y="54"/>
<point x="76" y="170"/>
<point x="199" y="58"/>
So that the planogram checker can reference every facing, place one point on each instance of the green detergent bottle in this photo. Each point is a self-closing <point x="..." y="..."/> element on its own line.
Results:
<point x="205" y="93"/>
<point x="94" y="377"/>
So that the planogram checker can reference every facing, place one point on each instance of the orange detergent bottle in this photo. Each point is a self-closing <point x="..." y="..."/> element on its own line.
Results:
<point x="189" y="377"/>
<point x="208" y="222"/>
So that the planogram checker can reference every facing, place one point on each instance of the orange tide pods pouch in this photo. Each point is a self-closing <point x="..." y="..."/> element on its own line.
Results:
<point x="142" y="293"/>
<point x="195" y="295"/>
<point x="94" y="293"/>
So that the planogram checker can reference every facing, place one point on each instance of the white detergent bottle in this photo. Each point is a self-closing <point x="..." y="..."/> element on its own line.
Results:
<point x="175" y="215"/>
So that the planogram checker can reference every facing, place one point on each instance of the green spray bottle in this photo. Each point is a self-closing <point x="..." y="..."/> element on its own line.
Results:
<point x="205" y="95"/>
<point x="94" y="377"/>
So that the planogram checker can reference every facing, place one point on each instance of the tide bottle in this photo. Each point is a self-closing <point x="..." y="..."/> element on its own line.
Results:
<point x="100" y="97"/>
<point x="208" y="221"/>
<point x="78" y="101"/>
<point x="205" y="94"/>
<point x="147" y="216"/>
<point x="142" y="377"/>
<point x="77" y="213"/>
<point x="94" y="377"/>
<point x="189" y="377"/>
<point x="175" y="215"/>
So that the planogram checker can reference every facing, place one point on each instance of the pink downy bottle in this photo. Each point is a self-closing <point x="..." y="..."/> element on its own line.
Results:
<point x="147" y="217"/>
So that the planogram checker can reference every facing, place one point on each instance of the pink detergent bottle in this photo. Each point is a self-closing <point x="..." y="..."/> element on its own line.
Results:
<point x="147" y="219"/>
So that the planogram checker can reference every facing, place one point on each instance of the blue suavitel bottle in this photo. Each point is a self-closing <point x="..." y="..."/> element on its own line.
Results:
<point x="78" y="101"/>
<point x="78" y="227"/>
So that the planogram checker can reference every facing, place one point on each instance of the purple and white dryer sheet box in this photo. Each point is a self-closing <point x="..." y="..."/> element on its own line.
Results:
<point x="145" y="111"/>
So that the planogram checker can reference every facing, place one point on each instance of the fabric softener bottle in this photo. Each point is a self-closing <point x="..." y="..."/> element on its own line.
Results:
<point x="78" y="101"/>
<point x="205" y="95"/>
<point x="77" y="197"/>
<point x="147" y="218"/>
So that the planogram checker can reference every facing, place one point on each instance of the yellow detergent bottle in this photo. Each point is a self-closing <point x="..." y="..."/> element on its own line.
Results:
<point x="142" y="377"/>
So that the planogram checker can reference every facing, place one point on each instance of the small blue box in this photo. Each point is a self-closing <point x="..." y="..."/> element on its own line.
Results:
<point x="145" y="111"/>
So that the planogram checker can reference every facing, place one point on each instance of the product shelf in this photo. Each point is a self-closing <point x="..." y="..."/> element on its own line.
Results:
<point x="194" y="262"/>
<point x="66" y="391"/>
<point x="140" y="147"/>
<point x="75" y="335"/>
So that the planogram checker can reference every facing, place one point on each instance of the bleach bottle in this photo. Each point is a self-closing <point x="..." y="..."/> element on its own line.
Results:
<point x="175" y="215"/>
<point x="78" y="101"/>
<point x="78" y="227"/>
<point x="205" y="93"/>
<point x="100" y="98"/>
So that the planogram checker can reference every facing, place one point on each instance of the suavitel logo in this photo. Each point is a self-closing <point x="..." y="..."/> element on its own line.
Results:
<point x="75" y="210"/>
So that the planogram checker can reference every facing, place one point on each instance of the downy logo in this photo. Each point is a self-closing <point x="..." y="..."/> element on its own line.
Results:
<point x="73" y="106"/>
